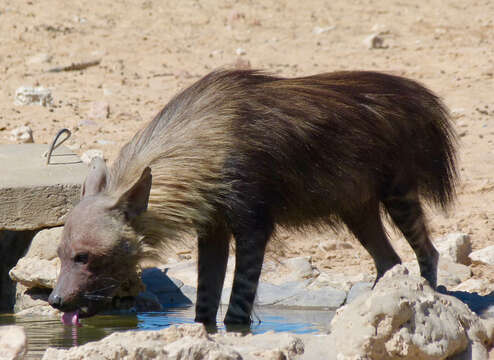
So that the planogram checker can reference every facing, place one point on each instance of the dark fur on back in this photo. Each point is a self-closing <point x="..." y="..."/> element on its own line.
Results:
<point x="320" y="145"/>
<point x="310" y="147"/>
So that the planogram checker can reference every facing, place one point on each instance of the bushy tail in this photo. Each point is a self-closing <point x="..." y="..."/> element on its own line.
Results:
<point x="437" y="162"/>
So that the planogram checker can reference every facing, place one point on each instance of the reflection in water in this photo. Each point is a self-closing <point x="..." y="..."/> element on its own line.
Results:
<point x="265" y="319"/>
<point x="44" y="332"/>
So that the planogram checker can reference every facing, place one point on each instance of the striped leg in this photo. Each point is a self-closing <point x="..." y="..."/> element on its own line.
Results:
<point x="212" y="260"/>
<point x="367" y="226"/>
<point x="250" y="239"/>
<point x="407" y="214"/>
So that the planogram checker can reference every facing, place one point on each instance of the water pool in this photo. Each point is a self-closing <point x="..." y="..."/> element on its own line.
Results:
<point x="44" y="332"/>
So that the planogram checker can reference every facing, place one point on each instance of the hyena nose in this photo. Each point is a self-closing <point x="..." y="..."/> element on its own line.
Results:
<point x="55" y="300"/>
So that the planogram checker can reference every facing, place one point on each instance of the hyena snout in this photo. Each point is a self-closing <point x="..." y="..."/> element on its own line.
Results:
<point x="55" y="300"/>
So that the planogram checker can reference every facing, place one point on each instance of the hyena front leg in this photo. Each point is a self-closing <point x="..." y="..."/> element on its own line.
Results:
<point x="251" y="238"/>
<point x="213" y="244"/>
<point x="406" y="212"/>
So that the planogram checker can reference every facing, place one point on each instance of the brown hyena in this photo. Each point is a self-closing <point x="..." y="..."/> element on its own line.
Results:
<point x="239" y="152"/>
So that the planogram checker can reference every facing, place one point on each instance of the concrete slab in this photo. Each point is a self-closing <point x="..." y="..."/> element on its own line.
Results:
<point x="34" y="195"/>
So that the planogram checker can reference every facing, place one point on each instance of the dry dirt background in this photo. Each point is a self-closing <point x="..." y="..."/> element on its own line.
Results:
<point x="151" y="49"/>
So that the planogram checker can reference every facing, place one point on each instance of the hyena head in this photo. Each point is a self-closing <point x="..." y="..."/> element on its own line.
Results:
<point x="99" y="248"/>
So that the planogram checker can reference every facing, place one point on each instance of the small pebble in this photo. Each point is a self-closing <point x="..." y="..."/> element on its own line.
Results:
<point x="242" y="64"/>
<point x="40" y="58"/>
<point x="87" y="122"/>
<point x="26" y="95"/>
<point x="22" y="134"/>
<point x="375" y="41"/>
<point x="105" y="142"/>
<point x="99" y="110"/>
<point x="321" y="30"/>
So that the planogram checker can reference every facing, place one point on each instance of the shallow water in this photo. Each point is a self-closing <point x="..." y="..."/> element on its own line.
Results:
<point x="44" y="332"/>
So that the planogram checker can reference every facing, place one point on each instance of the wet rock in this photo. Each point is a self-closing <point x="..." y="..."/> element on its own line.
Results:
<point x="175" y="342"/>
<point x="13" y="343"/>
<point x="486" y="255"/>
<point x="90" y="154"/>
<point x="22" y="135"/>
<point x="455" y="247"/>
<point x="26" y="95"/>
<point x="403" y="317"/>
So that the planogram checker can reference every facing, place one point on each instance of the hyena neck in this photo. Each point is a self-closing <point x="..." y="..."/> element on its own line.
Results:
<point x="186" y="146"/>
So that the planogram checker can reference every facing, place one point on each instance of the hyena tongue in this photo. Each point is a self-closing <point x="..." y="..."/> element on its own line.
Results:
<point x="71" y="318"/>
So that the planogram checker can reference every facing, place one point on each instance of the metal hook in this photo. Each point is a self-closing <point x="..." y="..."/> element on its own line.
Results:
<point x="54" y="144"/>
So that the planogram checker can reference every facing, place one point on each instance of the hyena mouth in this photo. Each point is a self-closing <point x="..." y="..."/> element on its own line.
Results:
<point x="117" y="303"/>
<point x="71" y="318"/>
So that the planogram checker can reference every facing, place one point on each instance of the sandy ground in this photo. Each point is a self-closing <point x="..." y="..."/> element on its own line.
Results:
<point x="151" y="49"/>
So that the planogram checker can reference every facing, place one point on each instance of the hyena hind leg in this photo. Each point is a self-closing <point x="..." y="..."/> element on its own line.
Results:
<point x="213" y="246"/>
<point x="366" y="224"/>
<point x="406" y="212"/>
<point x="251" y="238"/>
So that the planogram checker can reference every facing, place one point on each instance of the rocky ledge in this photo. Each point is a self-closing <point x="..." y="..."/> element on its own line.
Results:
<point x="401" y="318"/>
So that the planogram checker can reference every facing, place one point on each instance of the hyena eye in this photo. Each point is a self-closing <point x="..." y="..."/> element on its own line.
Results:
<point x="81" y="258"/>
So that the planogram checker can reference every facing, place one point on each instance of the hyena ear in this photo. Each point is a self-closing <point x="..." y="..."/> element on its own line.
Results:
<point x="135" y="200"/>
<point x="96" y="178"/>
